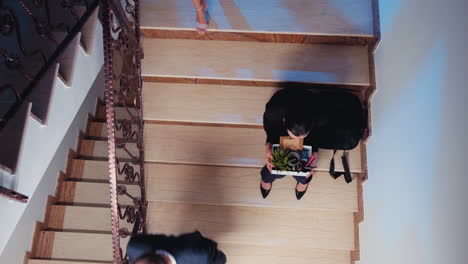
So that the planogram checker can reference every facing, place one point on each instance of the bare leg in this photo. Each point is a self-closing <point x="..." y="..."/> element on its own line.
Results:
<point x="266" y="186"/>
<point x="202" y="23"/>
<point x="302" y="187"/>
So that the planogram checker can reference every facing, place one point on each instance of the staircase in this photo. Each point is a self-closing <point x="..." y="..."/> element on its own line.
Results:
<point x="204" y="98"/>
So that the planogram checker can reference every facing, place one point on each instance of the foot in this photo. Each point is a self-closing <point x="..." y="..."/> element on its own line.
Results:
<point x="265" y="189"/>
<point x="301" y="187"/>
<point x="202" y="22"/>
<point x="301" y="190"/>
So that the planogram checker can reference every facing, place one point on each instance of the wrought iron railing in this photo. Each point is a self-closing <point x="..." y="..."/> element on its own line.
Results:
<point x="124" y="113"/>
<point x="33" y="35"/>
<point x="5" y="192"/>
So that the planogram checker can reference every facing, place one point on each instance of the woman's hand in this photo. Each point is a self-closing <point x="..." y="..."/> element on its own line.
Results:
<point x="313" y="164"/>
<point x="268" y="156"/>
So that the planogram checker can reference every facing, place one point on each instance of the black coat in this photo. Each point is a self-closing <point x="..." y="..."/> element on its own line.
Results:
<point x="190" y="248"/>
<point x="337" y="118"/>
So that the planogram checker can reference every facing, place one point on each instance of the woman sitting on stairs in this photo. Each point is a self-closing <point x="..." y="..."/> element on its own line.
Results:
<point x="294" y="113"/>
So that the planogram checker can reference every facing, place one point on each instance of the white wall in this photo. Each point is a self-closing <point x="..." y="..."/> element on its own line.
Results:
<point x="41" y="143"/>
<point x="416" y="207"/>
<point x="21" y="237"/>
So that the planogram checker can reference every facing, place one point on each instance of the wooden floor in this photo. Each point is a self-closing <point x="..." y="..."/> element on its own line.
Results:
<point x="204" y="98"/>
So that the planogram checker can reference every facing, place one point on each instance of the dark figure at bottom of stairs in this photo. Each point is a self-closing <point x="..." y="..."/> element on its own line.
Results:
<point x="191" y="248"/>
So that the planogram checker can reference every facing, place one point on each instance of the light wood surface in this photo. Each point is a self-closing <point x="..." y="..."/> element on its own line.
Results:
<point x="205" y="103"/>
<point x="240" y="186"/>
<point x="97" y="170"/>
<point x="120" y="112"/>
<point x="85" y="218"/>
<point x="258" y="36"/>
<point x="221" y="146"/>
<point x="47" y="261"/>
<point x="256" y="225"/>
<point x="98" y="193"/>
<point x="251" y="254"/>
<point x="236" y="253"/>
<point x="100" y="149"/>
<point x="99" y="129"/>
<point x="313" y="16"/>
<point x="83" y="246"/>
<point x="309" y="63"/>
<point x="204" y="145"/>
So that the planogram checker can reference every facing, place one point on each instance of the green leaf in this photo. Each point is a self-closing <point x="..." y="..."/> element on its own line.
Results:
<point x="281" y="159"/>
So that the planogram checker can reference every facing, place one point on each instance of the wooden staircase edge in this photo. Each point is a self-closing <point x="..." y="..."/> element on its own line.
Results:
<point x="258" y="36"/>
<point x="39" y="242"/>
<point x="252" y="82"/>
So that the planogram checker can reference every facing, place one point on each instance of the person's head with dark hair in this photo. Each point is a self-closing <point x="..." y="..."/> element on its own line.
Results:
<point x="297" y="122"/>
<point x="151" y="258"/>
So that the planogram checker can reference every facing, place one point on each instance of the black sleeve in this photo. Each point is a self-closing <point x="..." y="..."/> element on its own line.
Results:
<point x="140" y="245"/>
<point x="275" y="111"/>
<point x="198" y="249"/>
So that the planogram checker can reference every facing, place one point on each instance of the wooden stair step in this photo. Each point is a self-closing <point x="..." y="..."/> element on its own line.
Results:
<point x="256" y="225"/>
<point x="52" y="261"/>
<point x="121" y="112"/>
<point x="214" y="145"/>
<point x="82" y="218"/>
<point x="98" y="149"/>
<point x="93" y="193"/>
<point x="76" y="246"/>
<point x="97" y="250"/>
<point x="252" y="254"/>
<point x="240" y="186"/>
<point x="205" y="103"/>
<point x="257" y="61"/>
<point x="343" y="17"/>
<point x="96" y="170"/>
<point x="99" y="129"/>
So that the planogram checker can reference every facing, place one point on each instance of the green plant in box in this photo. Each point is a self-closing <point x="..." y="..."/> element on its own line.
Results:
<point x="281" y="159"/>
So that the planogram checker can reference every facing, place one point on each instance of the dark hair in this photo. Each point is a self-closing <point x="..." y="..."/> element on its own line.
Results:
<point x="152" y="258"/>
<point x="297" y="121"/>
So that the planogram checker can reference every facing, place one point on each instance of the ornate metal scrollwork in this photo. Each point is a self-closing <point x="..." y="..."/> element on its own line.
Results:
<point x="123" y="90"/>
<point x="29" y="43"/>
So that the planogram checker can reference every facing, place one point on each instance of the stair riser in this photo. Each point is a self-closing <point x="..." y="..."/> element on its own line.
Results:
<point x="222" y="146"/>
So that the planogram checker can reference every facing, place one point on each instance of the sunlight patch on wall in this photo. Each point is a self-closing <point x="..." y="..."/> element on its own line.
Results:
<point x="388" y="11"/>
<point x="403" y="154"/>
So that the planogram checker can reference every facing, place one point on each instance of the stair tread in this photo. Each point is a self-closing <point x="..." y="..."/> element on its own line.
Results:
<point x="313" y="16"/>
<point x="93" y="148"/>
<point x="247" y="225"/>
<point x="84" y="218"/>
<point x="68" y="248"/>
<point x="257" y="61"/>
<point x="240" y="186"/>
<point x="76" y="246"/>
<point x="93" y="193"/>
<point x="53" y="261"/>
<point x="99" y="128"/>
<point x="222" y="146"/>
<point x="93" y="170"/>
<point x="205" y="103"/>
<point x="251" y="254"/>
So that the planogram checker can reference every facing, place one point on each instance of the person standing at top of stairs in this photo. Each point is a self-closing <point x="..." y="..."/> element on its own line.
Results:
<point x="191" y="248"/>
<point x="201" y="6"/>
